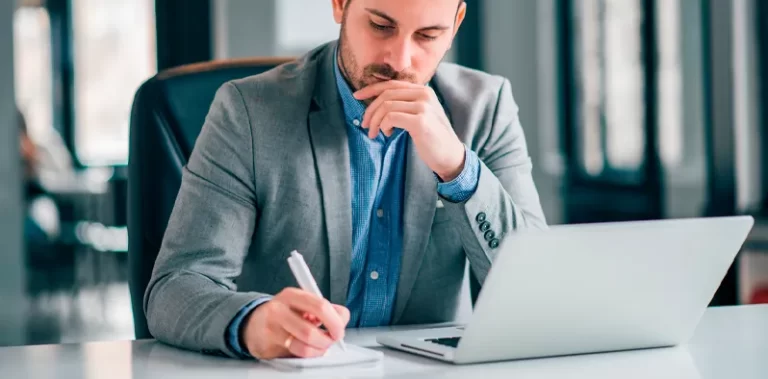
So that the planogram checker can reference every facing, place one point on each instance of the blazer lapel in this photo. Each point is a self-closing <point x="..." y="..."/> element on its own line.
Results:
<point x="419" y="211"/>
<point x="331" y="150"/>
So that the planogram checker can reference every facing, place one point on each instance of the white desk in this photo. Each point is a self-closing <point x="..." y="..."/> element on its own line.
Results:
<point x="730" y="342"/>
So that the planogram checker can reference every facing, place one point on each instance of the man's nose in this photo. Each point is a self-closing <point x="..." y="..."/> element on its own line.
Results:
<point x="400" y="54"/>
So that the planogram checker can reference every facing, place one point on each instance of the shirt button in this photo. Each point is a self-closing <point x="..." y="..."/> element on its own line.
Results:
<point x="356" y="122"/>
<point x="374" y="275"/>
<point x="380" y="213"/>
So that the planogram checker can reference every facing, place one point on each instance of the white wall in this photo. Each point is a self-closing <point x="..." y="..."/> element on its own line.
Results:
<point x="303" y="24"/>
<point x="12" y="330"/>
<point x="243" y="28"/>
<point x="247" y="28"/>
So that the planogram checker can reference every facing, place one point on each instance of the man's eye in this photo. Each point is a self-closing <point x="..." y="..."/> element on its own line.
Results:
<point x="427" y="37"/>
<point x="380" y="27"/>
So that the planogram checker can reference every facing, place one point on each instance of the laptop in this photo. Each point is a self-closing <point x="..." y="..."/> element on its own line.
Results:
<point x="590" y="288"/>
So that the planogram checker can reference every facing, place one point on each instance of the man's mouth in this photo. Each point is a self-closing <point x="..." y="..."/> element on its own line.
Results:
<point x="381" y="77"/>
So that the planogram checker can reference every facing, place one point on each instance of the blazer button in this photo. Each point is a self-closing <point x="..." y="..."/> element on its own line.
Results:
<point x="480" y="217"/>
<point x="489" y="235"/>
<point x="485" y="226"/>
<point x="494" y="243"/>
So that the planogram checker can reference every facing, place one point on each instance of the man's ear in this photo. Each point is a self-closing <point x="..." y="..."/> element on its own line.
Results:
<point x="460" y="14"/>
<point x="338" y="10"/>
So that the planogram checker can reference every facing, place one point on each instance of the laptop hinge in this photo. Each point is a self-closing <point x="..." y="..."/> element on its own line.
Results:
<point x="422" y="350"/>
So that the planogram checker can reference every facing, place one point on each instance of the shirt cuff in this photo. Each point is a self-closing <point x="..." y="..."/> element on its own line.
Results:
<point x="233" y="332"/>
<point x="463" y="186"/>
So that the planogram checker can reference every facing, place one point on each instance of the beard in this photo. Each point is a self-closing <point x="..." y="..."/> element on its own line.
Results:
<point x="359" y="78"/>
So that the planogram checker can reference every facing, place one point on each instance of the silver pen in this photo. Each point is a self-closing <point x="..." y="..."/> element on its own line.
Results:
<point x="306" y="280"/>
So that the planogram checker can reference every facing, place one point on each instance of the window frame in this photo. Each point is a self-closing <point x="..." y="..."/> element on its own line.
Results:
<point x="182" y="36"/>
<point x="649" y="168"/>
<point x="761" y="14"/>
<point x="60" y="14"/>
<point x="606" y="196"/>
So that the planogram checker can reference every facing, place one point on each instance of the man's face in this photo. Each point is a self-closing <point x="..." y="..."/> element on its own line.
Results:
<point x="394" y="39"/>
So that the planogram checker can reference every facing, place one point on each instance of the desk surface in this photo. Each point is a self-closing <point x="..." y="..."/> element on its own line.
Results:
<point x="730" y="342"/>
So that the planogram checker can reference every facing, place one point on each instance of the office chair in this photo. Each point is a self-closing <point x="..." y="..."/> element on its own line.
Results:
<point x="168" y="113"/>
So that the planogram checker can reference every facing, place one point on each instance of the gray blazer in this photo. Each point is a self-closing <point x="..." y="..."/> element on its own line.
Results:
<point x="270" y="173"/>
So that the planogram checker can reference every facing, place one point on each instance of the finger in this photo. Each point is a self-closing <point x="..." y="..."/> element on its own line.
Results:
<point x="373" y="131"/>
<point x="302" y="350"/>
<point x="343" y="313"/>
<point x="377" y="88"/>
<point x="273" y="344"/>
<point x="387" y="129"/>
<point x="406" y="94"/>
<point x="399" y="119"/>
<point x="303" y="330"/>
<point x="314" y="320"/>
<point x="295" y="347"/>
<point x="394" y="106"/>
<point x="303" y="301"/>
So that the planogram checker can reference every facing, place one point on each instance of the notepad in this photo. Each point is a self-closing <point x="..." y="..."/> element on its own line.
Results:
<point x="335" y="357"/>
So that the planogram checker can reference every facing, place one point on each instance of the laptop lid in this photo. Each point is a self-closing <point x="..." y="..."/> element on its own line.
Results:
<point x="600" y="287"/>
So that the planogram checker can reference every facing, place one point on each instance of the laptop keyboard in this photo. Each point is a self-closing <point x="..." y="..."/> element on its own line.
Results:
<point x="448" y="341"/>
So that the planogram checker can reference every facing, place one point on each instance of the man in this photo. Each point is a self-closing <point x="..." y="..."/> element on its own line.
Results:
<point x="386" y="169"/>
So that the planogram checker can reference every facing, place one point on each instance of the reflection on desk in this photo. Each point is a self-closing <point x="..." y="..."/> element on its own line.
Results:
<point x="729" y="343"/>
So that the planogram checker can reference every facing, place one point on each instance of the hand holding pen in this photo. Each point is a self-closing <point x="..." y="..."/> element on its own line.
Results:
<point x="288" y="325"/>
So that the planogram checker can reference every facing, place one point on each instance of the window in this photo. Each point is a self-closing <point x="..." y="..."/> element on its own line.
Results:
<point x="611" y="108"/>
<point x="589" y="53"/>
<point x="610" y="85"/>
<point x="114" y="52"/>
<point x="670" y="118"/>
<point x="34" y="69"/>
<point x="624" y="87"/>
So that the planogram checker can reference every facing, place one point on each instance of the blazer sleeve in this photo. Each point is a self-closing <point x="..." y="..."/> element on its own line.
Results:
<point x="506" y="199"/>
<point x="191" y="297"/>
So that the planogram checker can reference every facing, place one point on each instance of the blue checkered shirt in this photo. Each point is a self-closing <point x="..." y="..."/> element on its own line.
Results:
<point x="377" y="168"/>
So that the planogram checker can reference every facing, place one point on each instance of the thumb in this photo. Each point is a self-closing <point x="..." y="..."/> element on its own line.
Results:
<point x="343" y="313"/>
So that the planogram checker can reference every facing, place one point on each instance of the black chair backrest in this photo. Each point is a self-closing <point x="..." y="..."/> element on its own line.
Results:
<point x="167" y="115"/>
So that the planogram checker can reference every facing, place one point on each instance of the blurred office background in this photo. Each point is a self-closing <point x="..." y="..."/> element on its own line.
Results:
<point x="633" y="109"/>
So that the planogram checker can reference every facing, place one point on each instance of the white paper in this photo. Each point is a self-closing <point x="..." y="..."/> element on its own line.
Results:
<point x="355" y="355"/>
